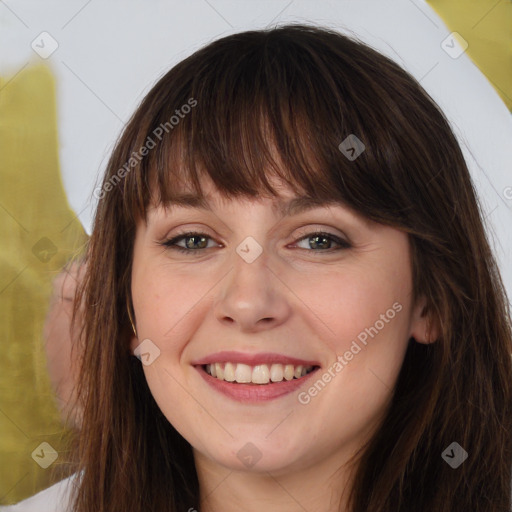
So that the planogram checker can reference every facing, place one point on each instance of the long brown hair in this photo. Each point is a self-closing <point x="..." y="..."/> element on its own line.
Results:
<point x="279" y="102"/>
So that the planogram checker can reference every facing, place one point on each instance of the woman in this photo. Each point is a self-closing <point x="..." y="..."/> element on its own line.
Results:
<point x="289" y="299"/>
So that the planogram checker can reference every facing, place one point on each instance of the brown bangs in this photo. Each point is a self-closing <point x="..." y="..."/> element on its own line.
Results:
<point x="279" y="108"/>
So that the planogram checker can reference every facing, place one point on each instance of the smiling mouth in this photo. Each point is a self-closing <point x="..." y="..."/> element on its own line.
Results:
<point x="239" y="373"/>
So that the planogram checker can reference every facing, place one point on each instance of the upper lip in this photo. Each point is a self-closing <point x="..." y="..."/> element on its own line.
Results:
<point x="229" y="356"/>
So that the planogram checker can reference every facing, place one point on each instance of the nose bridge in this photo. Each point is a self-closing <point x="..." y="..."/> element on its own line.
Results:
<point x="251" y="296"/>
<point x="250" y="274"/>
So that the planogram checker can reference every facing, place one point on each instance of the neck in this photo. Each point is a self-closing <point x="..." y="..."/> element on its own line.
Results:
<point x="321" y="487"/>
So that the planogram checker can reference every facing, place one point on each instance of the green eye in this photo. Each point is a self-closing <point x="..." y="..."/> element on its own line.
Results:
<point x="195" y="242"/>
<point x="323" y="241"/>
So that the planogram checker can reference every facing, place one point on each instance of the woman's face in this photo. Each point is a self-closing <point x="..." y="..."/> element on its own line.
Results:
<point x="260" y="296"/>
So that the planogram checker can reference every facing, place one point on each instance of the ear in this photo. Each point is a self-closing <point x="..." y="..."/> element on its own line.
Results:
<point x="424" y="327"/>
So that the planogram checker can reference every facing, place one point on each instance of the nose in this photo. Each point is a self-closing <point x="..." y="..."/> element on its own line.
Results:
<point x="251" y="297"/>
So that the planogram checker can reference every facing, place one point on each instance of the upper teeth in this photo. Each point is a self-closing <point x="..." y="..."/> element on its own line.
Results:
<point x="259" y="374"/>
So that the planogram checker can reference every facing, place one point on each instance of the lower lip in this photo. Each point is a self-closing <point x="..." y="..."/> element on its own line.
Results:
<point x="253" y="393"/>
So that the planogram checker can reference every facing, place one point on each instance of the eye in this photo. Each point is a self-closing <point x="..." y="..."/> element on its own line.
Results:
<point x="322" y="242"/>
<point x="193" y="242"/>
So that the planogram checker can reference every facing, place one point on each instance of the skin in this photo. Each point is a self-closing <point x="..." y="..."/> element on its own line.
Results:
<point x="60" y="338"/>
<point x="294" y="300"/>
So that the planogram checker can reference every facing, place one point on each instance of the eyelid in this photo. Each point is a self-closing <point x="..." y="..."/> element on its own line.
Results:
<point x="340" y="240"/>
<point x="170" y="242"/>
<point x="310" y="229"/>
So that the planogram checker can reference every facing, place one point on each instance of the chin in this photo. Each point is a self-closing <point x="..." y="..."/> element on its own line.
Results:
<point x="255" y="454"/>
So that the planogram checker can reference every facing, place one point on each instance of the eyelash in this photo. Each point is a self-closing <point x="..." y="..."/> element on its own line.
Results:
<point x="171" y="243"/>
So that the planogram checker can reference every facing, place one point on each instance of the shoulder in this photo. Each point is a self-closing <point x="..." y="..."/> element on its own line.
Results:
<point x="56" y="498"/>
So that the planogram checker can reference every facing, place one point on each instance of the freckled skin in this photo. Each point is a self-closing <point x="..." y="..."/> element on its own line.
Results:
<point x="291" y="300"/>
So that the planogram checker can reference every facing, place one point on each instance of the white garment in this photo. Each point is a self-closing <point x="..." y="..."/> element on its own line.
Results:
<point x="54" y="499"/>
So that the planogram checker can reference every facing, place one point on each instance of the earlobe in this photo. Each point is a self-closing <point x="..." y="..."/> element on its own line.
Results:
<point x="424" y="328"/>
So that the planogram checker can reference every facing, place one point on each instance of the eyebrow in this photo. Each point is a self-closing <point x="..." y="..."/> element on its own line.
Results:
<point x="292" y="207"/>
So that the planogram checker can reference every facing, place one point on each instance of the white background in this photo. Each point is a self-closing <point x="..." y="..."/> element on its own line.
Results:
<point x="111" y="52"/>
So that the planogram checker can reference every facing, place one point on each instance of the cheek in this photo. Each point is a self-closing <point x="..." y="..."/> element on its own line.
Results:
<point x="361" y="304"/>
<point x="364" y="318"/>
<point x="163" y="300"/>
